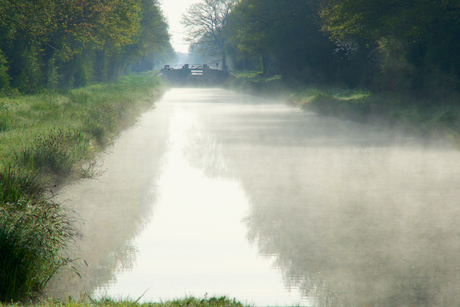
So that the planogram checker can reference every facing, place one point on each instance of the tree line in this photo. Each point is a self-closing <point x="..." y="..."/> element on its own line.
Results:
<point x="71" y="43"/>
<point x="382" y="45"/>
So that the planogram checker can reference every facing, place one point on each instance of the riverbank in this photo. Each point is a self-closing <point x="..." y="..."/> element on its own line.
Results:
<point x="46" y="140"/>
<point x="106" y="302"/>
<point x="432" y="117"/>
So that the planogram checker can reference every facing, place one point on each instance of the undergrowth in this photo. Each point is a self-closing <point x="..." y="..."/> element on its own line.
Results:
<point x="46" y="140"/>
<point x="437" y="115"/>
<point x="256" y="84"/>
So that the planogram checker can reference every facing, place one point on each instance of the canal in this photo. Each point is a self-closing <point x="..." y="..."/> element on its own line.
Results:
<point x="217" y="193"/>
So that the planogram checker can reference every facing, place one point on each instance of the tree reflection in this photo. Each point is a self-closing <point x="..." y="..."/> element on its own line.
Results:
<point x="352" y="214"/>
<point x="354" y="253"/>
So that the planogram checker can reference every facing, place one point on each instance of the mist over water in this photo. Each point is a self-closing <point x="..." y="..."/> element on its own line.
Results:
<point x="350" y="215"/>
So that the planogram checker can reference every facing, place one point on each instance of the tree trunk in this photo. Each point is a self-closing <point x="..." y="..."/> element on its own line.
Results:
<point x="224" y="61"/>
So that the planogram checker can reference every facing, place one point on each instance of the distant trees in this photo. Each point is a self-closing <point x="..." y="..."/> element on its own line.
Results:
<point x="68" y="43"/>
<point x="378" y="44"/>
<point x="206" y="23"/>
<point x="287" y="36"/>
<point x="416" y="41"/>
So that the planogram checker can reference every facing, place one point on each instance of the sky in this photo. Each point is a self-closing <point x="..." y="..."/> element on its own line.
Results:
<point x="173" y="11"/>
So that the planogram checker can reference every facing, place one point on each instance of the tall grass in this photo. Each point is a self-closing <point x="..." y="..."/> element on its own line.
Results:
<point x="44" y="141"/>
<point x="32" y="236"/>
<point x="190" y="301"/>
<point x="17" y="183"/>
<point x="55" y="152"/>
<point x="108" y="302"/>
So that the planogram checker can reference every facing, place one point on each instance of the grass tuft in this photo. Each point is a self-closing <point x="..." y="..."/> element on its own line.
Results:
<point x="108" y="302"/>
<point x="32" y="236"/>
<point x="17" y="183"/>
<point x="54" y="152"/>
<point x="191" y="301"/>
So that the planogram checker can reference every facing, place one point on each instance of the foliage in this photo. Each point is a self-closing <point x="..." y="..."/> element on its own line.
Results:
<point x="62" y="43"/>
<point x="415" y="39"/>
<point x="4" y="77"/>
<point x="407" y="47"/>
<point x="206" y="22"/>
<point x="286" y="35"/>
<point x="152" y="40"/>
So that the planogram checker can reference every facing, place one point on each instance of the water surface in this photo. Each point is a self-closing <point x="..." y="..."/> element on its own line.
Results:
<point x="226" y="194"/>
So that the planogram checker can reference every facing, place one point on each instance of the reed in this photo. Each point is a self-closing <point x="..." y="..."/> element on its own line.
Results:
<point x="54" y="152"/>
<point x="108" y="302"/>
<point x="32" y="237"/>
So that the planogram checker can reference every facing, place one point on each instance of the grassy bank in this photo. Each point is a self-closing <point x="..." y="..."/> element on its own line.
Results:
<point x="45" y="140"/>
<point x="435" y="116"/>
<point x="252" y="82"/>
<point x="189" y="301"/>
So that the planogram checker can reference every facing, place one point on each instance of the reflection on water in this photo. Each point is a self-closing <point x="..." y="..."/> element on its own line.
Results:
<point x="352" y="219"/>
<point x="113" y="207"/>
<point x="351" y="215"/>
<point x="196" y="241"/>
<point x="373" y="227"/>
<point x="166" y="219"/>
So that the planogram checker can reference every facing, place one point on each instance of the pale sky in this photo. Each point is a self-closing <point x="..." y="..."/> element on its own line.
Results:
<point x="173" y="10"/>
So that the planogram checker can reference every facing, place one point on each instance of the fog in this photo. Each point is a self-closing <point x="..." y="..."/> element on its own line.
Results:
<point x="227" y="194"/>
<point x="173" y="10"/>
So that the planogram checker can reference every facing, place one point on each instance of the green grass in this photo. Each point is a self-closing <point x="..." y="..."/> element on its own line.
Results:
<point x="107" y="302"/>
<point x="45" y="141"/>
<point x="32" y="237"/>
<point x="247" y="74"/>
<point x="256" y="84"/>
<point x="436" y="116"/>
<point x="334" y="101"/>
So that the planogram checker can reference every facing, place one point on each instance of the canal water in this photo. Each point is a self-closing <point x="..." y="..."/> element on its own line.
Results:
<point x="216" y="193"/>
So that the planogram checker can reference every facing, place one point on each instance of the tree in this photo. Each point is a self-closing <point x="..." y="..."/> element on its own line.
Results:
<point x="286" y="35"/>
<point x="152" y="39"/>
<point x="205" y="23"/>
<point x="69" y="43"/>
<point x="250" y="28"/>
<point x="411" y="39"/>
